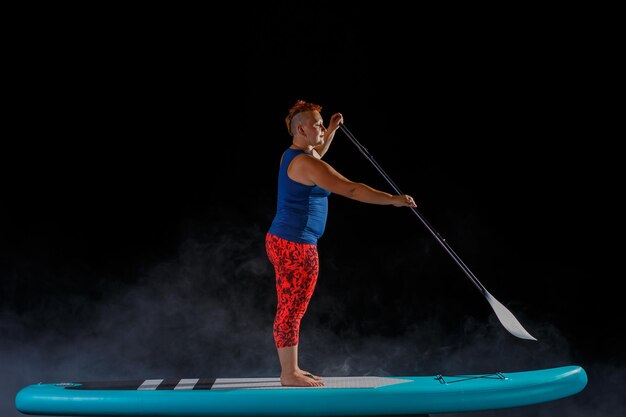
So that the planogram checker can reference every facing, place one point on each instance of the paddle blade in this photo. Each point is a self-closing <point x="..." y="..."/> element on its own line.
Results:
<point x="507" y="319"/>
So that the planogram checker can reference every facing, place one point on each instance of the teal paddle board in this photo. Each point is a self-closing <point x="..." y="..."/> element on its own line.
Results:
<point x="341" y="396"/>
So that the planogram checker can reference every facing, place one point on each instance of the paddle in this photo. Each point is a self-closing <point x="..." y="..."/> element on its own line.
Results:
<point x="504" y="315"/>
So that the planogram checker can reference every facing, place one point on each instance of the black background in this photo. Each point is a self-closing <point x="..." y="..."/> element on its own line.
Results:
<point x="139" y="175"/>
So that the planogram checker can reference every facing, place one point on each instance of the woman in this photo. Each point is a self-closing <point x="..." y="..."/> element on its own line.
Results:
<point x="304" y="184"/>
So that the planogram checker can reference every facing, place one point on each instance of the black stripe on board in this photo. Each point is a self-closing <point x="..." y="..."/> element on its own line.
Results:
<point x="106" y="385"/>
<point x="204" y="383"/>
<point x="168" y="384"/>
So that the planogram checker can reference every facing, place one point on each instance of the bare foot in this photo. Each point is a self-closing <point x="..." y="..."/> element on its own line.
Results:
<point x="297" y="379"/>
<point x="310" y="375"/>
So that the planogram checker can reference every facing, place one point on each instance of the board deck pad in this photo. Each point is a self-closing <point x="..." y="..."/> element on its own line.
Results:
<point x="230" y="383"/>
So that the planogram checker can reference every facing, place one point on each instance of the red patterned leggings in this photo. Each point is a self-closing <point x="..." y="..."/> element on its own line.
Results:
<point x="297" y="267"/>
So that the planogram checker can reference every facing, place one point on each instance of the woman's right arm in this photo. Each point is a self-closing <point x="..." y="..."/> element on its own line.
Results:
<point x="325" y="176"/>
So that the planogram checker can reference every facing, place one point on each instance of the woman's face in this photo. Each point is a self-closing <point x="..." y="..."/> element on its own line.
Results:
<point x="313" y="128"/>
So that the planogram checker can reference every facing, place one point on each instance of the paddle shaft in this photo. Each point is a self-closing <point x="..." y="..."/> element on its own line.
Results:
<point x="428" y="226"/>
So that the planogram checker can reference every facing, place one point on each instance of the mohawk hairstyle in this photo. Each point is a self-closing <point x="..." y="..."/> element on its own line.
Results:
<point x="299" y="107"/>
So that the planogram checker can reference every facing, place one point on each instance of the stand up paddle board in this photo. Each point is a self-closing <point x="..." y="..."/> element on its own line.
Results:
<point x="341" y="396"/>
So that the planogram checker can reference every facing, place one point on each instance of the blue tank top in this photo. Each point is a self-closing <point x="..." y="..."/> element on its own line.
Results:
<point x="301" y="209"/>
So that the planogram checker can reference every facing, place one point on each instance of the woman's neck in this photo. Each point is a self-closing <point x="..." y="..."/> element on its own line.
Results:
<point x="301" y="147"/>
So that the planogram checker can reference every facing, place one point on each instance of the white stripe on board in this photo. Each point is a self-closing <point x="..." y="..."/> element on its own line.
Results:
<point x="150" y="384"/>
<point x="187" y="383"/>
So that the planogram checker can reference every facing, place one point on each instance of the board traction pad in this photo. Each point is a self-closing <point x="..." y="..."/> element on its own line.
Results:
<point x="229" y="383"/>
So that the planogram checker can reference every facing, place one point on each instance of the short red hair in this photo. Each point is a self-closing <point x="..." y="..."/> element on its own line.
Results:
<point x="299" y="107"/>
